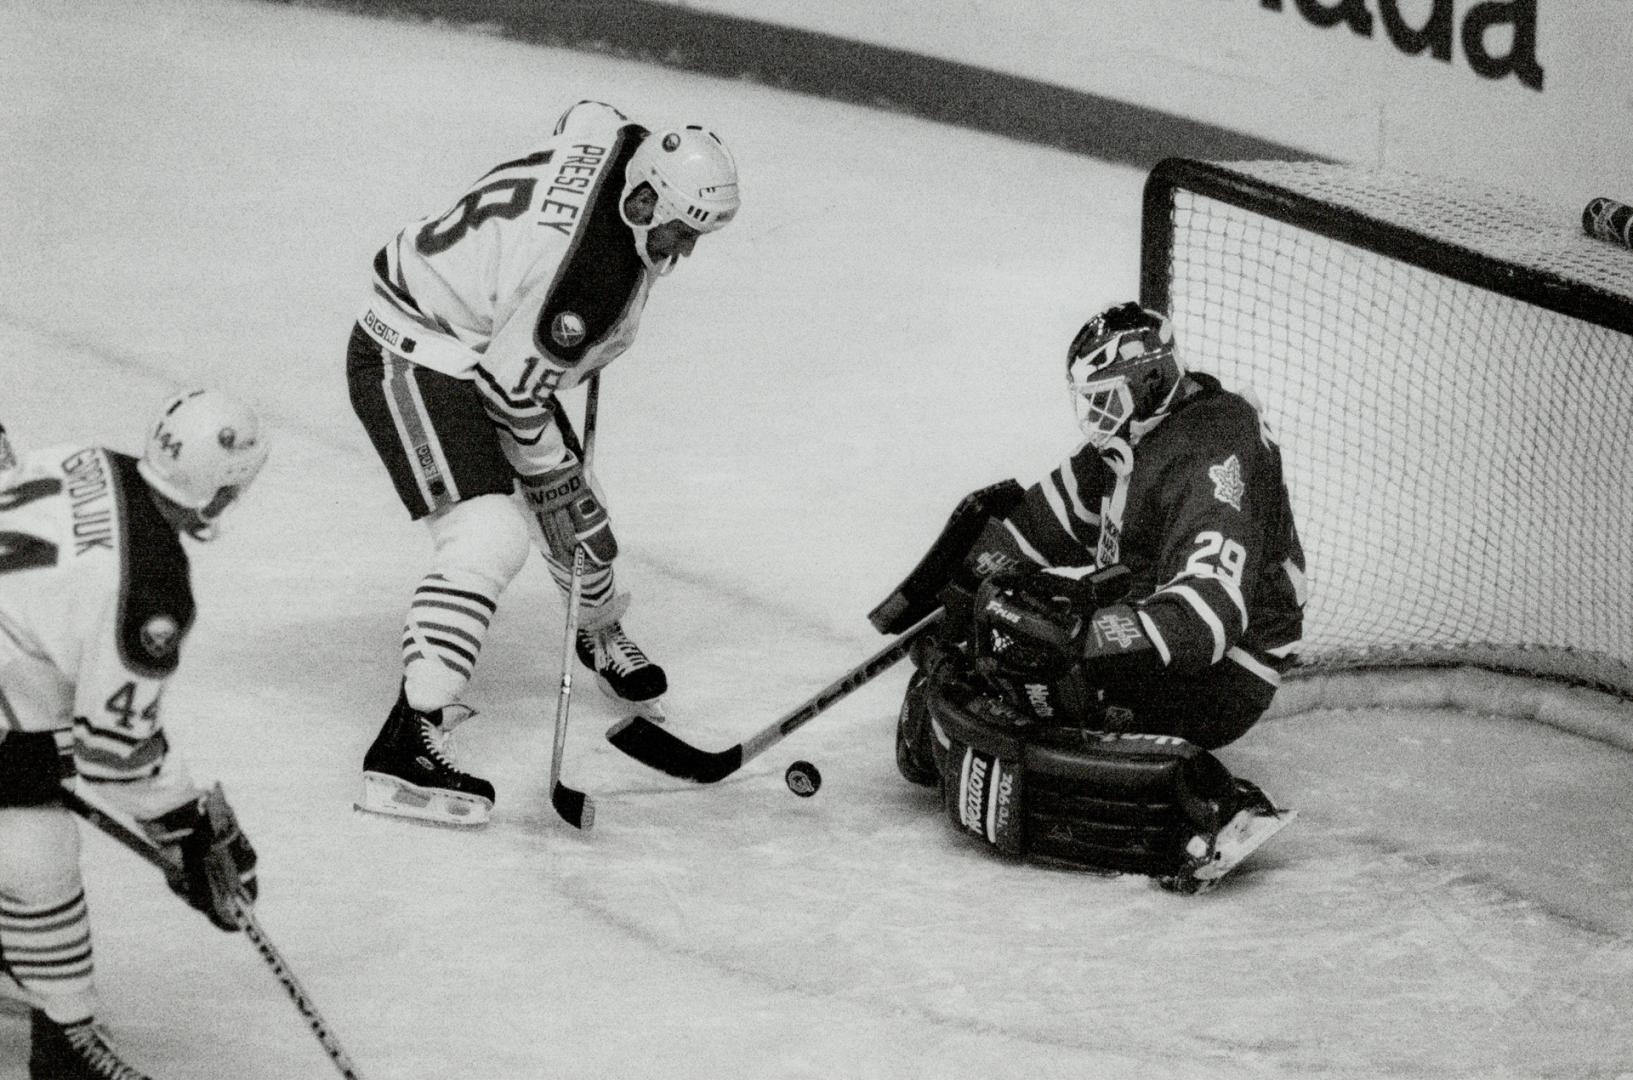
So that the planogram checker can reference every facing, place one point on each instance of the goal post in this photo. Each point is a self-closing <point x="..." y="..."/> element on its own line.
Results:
<point x="1449" y="370"/>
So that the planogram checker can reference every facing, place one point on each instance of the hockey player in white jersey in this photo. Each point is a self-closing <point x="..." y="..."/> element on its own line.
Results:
<point x="533" y="280"/>
<point x="95" y="603"/>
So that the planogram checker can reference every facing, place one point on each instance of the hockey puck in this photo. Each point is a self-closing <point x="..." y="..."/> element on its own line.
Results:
<point x="803" y="779"/>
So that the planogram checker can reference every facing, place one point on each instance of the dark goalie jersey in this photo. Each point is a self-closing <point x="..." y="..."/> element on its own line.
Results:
<point x="1196" y="507"/>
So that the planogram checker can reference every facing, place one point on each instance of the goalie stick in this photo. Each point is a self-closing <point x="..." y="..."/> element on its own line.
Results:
<point x="657" y="748"/>
<point x="242" y="915"/>
<point x="575" y="807"/>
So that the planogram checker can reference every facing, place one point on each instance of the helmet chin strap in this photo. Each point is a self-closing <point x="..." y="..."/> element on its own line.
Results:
<point x="642" y="233"/>
<point x="189" y="520"/>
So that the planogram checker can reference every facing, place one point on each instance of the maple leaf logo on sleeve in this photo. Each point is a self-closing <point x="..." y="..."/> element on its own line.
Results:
<point x="1228" y="487"/>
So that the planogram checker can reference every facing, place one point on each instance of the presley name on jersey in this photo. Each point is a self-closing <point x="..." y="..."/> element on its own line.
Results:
<point x="1197" y="509"/>
<point x="548" y="290"/>
<point x="95" y="602"/>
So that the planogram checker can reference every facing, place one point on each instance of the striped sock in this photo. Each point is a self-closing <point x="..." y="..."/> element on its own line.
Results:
<point x="598" y="586"/>
<point x="47" y="947"/>
<point x="442" y="637"/>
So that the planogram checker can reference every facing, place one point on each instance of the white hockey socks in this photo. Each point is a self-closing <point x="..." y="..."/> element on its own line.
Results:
<point x="481" y="544"/>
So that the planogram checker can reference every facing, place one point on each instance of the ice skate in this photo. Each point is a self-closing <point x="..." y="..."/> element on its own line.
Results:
<point x="1212" y="858"/>
<point x="409" y="771"/>
<point x="622" y="670"/>
<point x="74" y="1052"/>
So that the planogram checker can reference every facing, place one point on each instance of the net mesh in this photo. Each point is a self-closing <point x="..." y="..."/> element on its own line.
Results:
<point x="1458" y="459"/>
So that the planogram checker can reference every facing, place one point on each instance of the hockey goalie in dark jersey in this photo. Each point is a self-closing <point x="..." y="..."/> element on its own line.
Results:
<point x="1107" y="628"/>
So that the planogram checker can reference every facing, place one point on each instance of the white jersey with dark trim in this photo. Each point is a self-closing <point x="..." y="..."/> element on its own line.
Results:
<point x="95" y="602"/>
<point x="1198" y="510"/>
<point x="531" y="280"/>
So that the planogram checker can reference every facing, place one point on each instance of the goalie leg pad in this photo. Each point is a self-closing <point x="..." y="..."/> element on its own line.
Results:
<point x="914" y="759"/>
<point x="1120" y="803"/>
<point x="1128" y="803"/>
<point x="980" y="752"/>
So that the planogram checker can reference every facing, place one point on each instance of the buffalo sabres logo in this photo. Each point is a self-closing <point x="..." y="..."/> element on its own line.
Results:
<point x="159" y="635"/>
<point x="1227" y="482"/>
<point x="567" y="329"/>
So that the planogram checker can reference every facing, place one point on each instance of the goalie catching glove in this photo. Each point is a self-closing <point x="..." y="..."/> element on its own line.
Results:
<point x="567" y="504"/>
<point x="216" y="872"/>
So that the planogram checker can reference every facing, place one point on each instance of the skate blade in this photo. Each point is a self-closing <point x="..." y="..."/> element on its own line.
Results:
<point x="1237" y="842"/>
<point x="393" y="797"/>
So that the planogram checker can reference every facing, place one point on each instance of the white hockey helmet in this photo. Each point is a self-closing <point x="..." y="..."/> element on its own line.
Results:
<point x="694" y="177"/>
<point x="1122" y="368"/>
<point x="201" y="454"/>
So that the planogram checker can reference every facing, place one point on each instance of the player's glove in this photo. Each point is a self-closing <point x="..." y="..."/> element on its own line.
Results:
<point x="1026" y="626"/>
<point x="217" y="868"/>
<point x="1038" y="626"/>
<point x="568" y="507"/>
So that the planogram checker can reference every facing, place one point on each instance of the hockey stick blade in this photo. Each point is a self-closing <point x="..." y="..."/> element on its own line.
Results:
<point x="656" y="748"/>
<point x="576" y="808"/>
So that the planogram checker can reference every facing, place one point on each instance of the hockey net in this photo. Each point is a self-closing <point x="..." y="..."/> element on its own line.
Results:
<point x="1449" y="371"/>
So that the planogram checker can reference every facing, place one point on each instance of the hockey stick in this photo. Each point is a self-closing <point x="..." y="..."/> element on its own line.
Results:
<point x="242" y="915"/>
<point x="655" y="747"/>
<point x="575" y="807"/>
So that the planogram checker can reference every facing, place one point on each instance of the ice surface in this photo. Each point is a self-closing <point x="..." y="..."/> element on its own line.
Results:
<point x="192" y="192"/>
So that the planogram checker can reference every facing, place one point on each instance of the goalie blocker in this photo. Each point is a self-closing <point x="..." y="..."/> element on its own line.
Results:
<point x="1113" y="802"/>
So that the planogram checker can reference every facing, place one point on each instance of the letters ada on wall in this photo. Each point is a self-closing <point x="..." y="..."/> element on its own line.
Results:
<point x="1484" y="27"/>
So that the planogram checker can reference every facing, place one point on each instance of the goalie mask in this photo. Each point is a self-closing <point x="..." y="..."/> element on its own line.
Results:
<point x="1122" y="369"/>
<point x="201" y="454"/>
<point x="694" y="179"/>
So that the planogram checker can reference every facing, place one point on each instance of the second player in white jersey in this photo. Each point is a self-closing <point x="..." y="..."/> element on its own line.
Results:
<point x="95" y="605"/>
<point x="531" y="281"/>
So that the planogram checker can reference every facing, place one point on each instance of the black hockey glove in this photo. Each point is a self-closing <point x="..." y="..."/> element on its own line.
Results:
<point x="1026" y="627"/>
<point x="217" y="869"/>
<point x="1038" y="626"/>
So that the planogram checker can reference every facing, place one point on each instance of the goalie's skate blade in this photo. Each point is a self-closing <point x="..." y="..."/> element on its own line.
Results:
<point x="1244" y="835"/>
<point x="576" y="808"/>
<point x="394" y="797"/>
<point x="656" y="748"/>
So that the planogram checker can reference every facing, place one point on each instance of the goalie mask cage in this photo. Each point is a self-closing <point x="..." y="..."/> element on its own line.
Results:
<point x="1449" y="372"/>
